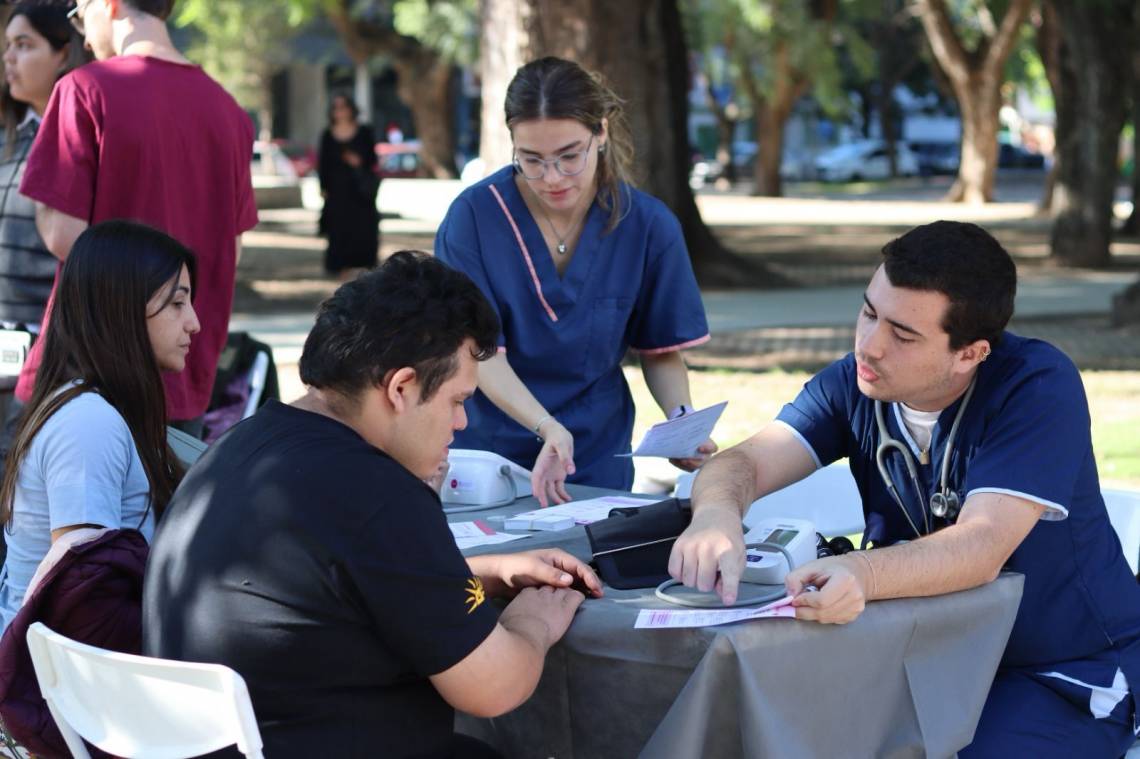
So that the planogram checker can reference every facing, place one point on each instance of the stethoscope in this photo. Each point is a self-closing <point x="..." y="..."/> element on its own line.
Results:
<point x="945" y="504"/>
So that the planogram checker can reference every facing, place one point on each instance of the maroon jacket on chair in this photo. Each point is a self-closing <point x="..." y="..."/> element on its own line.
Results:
<point x="92" y="595"/>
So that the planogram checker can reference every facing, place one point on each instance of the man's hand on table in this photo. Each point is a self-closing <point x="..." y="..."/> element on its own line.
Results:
<point x="709" y="554"/>
<point x="507" y="574"/>
<point x="841" y="593"/>
<point x="541" y="615"/>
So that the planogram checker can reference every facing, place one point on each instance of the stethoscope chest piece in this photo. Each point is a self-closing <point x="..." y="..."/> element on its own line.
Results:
<point x="945" y="505"/>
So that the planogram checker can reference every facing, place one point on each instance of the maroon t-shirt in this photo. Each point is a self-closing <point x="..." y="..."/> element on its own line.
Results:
<point x="140" y="138"/>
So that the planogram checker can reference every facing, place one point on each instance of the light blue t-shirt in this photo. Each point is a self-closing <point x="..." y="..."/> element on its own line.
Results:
<point x="81" y="468"/>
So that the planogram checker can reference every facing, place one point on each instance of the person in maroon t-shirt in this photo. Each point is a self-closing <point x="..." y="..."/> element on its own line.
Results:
<point x="143" y="134"/>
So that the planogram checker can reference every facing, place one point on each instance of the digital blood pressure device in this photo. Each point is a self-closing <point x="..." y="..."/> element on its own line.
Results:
<point x="773" y="548"/>
<point x="765" y="564"/>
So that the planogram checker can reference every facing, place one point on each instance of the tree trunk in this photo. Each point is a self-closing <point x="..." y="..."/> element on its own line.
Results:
<point x="772" y="112"/>
<point x="1096" y="48"/>
<point x="885" y="105"/>
<point x="639" y="46"/>
<point x="769" y="151"/>
<point x="725" y="133"/>
<point x="1048" y="42"/>
<point x="976" y="77"/>
<point x="424" y="83"/>
<point x="1132" y="226"/>
<point x="979" y="106"/>
<point x="504" y="44"/>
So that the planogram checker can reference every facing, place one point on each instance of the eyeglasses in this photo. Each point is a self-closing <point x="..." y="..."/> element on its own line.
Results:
<point x="567" y="164"/>
<point x="74" y="17"/>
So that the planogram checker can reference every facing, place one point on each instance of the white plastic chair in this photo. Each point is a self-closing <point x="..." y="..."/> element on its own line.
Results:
<point x="1124" y="513"/>
<point x="258" y="373"/>
<point x="185" y="447"/>
<point x="137" y="706"/>
<point x="828" y="497"/>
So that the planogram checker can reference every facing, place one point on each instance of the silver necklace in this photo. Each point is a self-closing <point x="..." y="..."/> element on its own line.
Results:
<point x="561" y="247"/>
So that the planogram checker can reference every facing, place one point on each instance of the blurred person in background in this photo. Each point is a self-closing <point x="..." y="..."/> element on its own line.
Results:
<point x="350" y="179"/>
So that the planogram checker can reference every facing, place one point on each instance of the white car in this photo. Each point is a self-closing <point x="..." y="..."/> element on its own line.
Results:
<point x="866" y="159"/>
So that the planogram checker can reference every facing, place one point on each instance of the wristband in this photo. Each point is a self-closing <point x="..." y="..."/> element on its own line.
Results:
<point x="540" y="422"/>
<point x="680" y="411"/>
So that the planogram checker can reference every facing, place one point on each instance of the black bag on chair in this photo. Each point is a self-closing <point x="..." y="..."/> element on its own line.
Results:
<point x="631" y="548"/>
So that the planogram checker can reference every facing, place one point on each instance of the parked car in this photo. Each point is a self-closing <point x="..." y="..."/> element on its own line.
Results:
<point x="1017" y="157"/>
<point x="302" y="156"/>
<point x="865" y="159"/>
<point x="936" y="157"/>
<point x="399" y="159"/>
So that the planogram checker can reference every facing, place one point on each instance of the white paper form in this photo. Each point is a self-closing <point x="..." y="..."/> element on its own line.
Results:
<point x="656" y="619"/>
<point x="590" y="510"/>
<point x="678" y="438"/>
<point x="478" y="533"/>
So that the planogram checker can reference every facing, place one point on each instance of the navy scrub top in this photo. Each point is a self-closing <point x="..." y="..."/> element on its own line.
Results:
<point x="565" y="336"/>
<point x="1026" y="433"/>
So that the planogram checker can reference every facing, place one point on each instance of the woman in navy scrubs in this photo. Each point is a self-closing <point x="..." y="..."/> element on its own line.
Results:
<point x="580" y="267"/>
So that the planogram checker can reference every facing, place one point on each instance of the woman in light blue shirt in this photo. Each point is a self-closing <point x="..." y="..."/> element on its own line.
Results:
<point x="91" y="450"/>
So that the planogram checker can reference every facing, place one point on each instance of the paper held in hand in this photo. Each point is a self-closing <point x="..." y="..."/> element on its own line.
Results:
<point x="678" y="438"/>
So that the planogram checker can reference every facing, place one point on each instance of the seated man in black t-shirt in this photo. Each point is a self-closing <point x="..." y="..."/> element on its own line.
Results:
<point x="305" y="550"/>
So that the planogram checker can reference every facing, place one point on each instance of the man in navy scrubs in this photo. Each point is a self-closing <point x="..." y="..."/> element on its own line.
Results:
<point x="1020" y="491"/>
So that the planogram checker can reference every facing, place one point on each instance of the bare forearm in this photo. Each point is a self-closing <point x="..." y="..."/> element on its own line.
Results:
<point x="503" y="671"/>
<point x="727" y="483"/>
<point x="958" y="557"/>
<point x="486" y="568"/>
<point x="769" y="460"/>
<point x="503" y="387"/>
<point x="58" y="230"/>
<point x="667" y="378"/>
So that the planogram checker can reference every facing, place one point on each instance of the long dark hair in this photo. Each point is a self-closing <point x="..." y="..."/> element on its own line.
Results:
<point x="555" y="88"/>
<point x="49" y="19"/>
<point x="97" y="338"/>
<point x="352" y="106"/>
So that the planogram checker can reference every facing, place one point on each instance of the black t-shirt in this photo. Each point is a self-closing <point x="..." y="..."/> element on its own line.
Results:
<point x="325" y="574"/>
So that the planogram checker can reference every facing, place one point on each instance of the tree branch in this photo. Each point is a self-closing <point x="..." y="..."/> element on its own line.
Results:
<point x="944" y="42"/>
<point x="1006" y="36"/>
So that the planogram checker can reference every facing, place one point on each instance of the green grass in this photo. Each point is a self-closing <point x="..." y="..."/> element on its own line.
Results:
<point x="756" y="398"/>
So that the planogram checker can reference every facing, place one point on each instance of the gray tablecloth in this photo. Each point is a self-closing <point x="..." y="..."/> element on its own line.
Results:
<point x="907" y="678"/>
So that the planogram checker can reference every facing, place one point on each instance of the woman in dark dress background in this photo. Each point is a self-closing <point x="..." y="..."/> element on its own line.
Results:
<point x="349" y="180"/>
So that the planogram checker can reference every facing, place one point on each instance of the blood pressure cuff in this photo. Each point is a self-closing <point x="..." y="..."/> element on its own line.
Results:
<point x="631" y="548"/>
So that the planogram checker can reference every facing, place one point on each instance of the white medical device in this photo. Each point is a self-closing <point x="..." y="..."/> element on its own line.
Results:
<point x="481" y="480"/>
<point x="771" y="549"/>
<point x="766" y="564"/>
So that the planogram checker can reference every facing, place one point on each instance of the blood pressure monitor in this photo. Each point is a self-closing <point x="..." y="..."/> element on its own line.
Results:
<point x="766" y="564"/>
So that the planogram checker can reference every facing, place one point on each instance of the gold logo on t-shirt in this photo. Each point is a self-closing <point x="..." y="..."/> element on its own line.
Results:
<point x="475" y="594"/>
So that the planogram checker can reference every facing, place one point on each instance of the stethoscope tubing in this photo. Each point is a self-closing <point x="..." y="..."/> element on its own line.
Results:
<point x="888" y="443"/>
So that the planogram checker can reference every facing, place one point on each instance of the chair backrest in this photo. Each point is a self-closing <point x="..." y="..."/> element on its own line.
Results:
<point x="186" y="448"/>
<point x="1124" y="513"/>
<point x="828" y="497"/>
<point x="140" y="706"/>
<point x="258" y="374"/>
